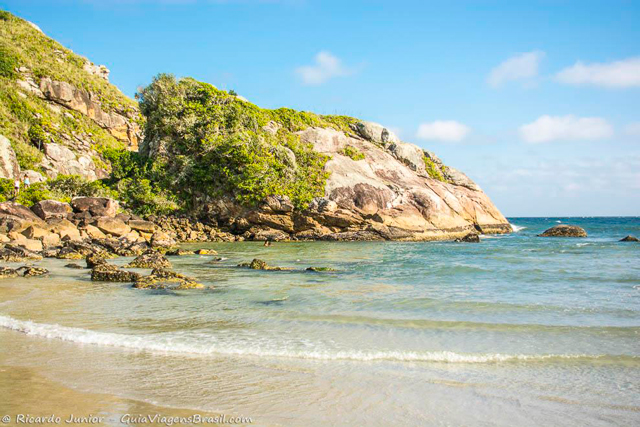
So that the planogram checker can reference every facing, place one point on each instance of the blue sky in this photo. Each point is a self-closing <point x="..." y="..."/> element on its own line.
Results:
<point x="539" y="102"/>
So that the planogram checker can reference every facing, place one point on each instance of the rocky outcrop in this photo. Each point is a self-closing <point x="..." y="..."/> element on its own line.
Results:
<point x="630" y="239"/>
<point x="389" y="195"/>
<point x="120" y="124"/>
<point x="9" y="167"/>
<point x="564" y="230"/>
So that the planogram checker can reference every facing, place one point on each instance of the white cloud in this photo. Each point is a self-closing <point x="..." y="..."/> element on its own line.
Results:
<point x="518" y="67"/>
<point x="632" y="129"/>
<point x="443" y="130"/>
<point x="618" y="74"/>
<point x="326" y="67"/>
<point x="553" y="128"/>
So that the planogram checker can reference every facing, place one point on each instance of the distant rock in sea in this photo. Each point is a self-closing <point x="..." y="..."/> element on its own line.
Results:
<point x="564" y="230"/>
<point x="630" y="238"/>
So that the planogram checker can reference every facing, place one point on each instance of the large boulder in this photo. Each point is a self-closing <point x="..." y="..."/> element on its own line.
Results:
<point x="46" y="209"/>
<point x="160" y="239"/>
<point x="375" y="132"/>
<point x="96" y="206"/>
<point x="141" y="225"/>
<point x="630" y="239"/>
<point x="409" y="154"/>
<point x="113" y="226"/>
<point x="16" y="210"/>
<point x="564" y="230"/>
<point x="9" y="167"/>
<point x="64" y="228"/>
<point x="94" y="232"/>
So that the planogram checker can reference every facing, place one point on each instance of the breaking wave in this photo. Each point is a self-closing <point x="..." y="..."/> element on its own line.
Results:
<point x="173" y="344"/>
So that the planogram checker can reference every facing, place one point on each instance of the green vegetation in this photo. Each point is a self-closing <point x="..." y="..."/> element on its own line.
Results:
<point x="45" y="57"/>
<point x="27" y="120"/>
<point x="352" y="152"/>
<point x="211" y="144"/>
<point x="63" y="188"/>
<point x="434" y="170"/>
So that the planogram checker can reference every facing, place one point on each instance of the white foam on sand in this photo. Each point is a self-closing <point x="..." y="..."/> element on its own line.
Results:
<point x="177" y="344"/>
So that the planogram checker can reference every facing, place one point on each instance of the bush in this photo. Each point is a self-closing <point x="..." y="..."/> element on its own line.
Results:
<point x="35" y="193"/>
<point x="141" y="197"/>
<point x="352" y="152"/>
<point x="433" y="170"/>
<point x="211" y="144"/>
<point x="6" y="189"/>
<point x="8" y="63"/>
<point x="27" y="155"/>
<point x="66" y="187"/>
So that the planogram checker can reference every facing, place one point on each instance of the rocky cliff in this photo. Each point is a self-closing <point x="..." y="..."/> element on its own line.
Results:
<point x="58" y="111"/>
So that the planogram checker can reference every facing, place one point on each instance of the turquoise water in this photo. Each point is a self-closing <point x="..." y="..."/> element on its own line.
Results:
<point x="516" y="330"/>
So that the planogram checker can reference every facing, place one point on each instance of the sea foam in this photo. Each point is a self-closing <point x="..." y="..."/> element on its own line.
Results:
<point x="173" y="345"/>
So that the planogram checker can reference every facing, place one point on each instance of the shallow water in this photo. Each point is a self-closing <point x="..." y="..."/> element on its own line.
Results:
<point x="517" y="330"/>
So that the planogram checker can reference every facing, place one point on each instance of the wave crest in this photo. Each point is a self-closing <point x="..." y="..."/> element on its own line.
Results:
<point x="171" y="346"/>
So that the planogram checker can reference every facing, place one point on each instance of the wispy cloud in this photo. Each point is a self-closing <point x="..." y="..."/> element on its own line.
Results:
<point x="565" y="128"/>
<point x="523" y="66"/>
<point x="632" y="129"/>
<point x="618" y="74"/>
<point x="443" y="130"/>
<point x="327" y="66"/>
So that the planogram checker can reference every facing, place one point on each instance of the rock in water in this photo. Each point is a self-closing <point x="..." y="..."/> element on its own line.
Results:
<point x="564" y="230"/>
<point x="179" y="252"/>
<point x="258" y="264"/>
<point x="93" y="260"/>
<point x="7" y="273"/>
<point x="27" y="271"/>
<point x="111" y="273"/>
<point x="150" y="259"/>
<point x="161" y="278"/>
<point x="470" y="238"/>
<point x="630" y="239"/>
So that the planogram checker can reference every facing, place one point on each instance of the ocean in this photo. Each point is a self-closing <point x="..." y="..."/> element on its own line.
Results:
<point x="516" y="330"/>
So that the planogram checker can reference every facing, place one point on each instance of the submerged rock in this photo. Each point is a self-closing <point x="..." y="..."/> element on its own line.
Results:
<point x="28" y="271"/>
<point x="14" y="253"/>
<point x="564" y="230"/>
<point x="7" y="273"/>
<point x="630" y="239"/>
<point x="258" y="264"/>
<point x="150" y="259"/>
<point x="179" y="252"/>
<point x="206" y="252"/>
<point x="469" y="238"/>
<point x="161" y="278"/>
<point x="321" y="269"/>
<point x="111" y="273"/>
<point x="74" y="266"/>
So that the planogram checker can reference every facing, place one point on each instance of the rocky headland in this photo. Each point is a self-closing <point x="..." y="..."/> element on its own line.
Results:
<point x="118" y="177"/>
